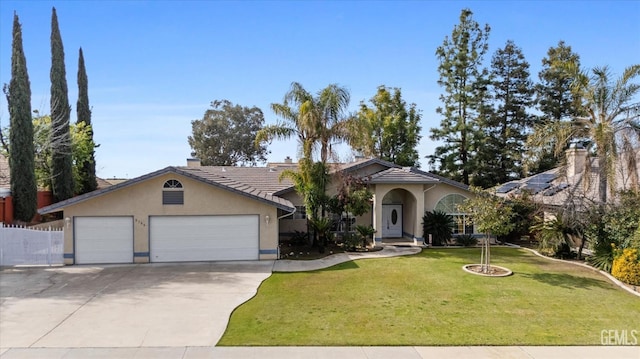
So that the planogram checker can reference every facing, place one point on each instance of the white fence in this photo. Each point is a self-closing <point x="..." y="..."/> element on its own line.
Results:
<point x="24" y="246"/>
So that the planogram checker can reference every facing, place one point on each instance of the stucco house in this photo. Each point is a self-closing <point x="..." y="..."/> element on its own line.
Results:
<point x="205" y="213"/>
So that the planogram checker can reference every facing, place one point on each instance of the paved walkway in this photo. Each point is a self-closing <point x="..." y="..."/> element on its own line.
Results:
<point x="418" y="352"/>
<point x="288" y="265"/>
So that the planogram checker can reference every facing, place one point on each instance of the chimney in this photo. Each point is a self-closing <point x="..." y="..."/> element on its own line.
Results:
<point x="576" y="157"/>
<point x="193" y="162"/>
<point x="288" y="160"/>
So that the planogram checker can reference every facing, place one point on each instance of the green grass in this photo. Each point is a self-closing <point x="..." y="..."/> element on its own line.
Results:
<point x="427" y="299"/>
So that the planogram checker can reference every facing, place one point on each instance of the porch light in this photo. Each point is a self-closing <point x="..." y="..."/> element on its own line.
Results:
<point x="266" y="219"/>
<point x="67" y="222"/>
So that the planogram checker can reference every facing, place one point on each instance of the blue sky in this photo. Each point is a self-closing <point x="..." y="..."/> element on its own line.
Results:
<point x="154" y="66"/>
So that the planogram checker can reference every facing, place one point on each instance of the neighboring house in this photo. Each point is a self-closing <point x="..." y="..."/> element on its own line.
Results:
<point x="205" y="213"/>
<point x="576" y="183"/>
<point x="44" y="197"/>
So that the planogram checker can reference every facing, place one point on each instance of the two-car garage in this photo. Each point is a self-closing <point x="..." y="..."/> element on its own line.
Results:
<point x="171" y="238"/>
<point x="203" y="238"/>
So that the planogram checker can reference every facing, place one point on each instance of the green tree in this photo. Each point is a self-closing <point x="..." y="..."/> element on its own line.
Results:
<point x="21" y="157"/>
<point x="225" y="135"/>
<point x="86" y="180"/>
<point x="62" y="161"/>
<point x="318" y="122"/>
<point x="292" y="123"/>
<point x="610" y="123"/>
<point x="554" y="97"/>
<point x="491" y="215"/>
<point x="81" y="150"/>
<point x="554" y="100"/>
<point x="507" y="127"/>
<point x="465" y="83"/>
<point x="352" y="198"/>
<point x="389" y="129"/>
<point x="330" y="118"/>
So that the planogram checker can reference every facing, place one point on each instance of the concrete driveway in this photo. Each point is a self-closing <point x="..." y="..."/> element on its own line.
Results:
<point x="147" y="305"/>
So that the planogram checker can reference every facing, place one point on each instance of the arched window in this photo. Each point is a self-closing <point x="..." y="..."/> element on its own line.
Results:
<point x="172" y="184"/>
<point x="172" y="192"/>
<point x="449" y="205"/>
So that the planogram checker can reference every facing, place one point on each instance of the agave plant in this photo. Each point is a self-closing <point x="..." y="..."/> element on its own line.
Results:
<point x="365" y="233"/>
<point x="440" y="225"/>
<point x="322" y="227"/>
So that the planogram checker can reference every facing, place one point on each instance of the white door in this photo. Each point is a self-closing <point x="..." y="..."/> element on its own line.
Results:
<point x="391" y="220"/>
<point x="103" y="239"/>
<point x="204" y="238"/>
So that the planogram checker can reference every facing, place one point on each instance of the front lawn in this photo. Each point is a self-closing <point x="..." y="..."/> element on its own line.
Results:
<point x="427" y="299"/>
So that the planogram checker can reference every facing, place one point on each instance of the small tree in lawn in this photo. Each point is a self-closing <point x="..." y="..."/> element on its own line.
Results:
<point x="492" y="215"/>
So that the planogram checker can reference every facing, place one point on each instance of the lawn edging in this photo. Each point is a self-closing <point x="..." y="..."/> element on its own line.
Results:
<point x="607" y="275"/>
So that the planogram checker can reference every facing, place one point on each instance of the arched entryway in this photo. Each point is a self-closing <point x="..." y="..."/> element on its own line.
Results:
<point x="398" y="215"/>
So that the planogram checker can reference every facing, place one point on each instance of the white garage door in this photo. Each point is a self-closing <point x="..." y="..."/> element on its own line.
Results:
<point x="103" y="239"/>
<point x="204" y="238"/>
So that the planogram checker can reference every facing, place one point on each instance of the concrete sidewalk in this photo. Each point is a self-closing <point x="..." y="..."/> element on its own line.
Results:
<point x="516" y="352"/>
<point x="288" y="265"/>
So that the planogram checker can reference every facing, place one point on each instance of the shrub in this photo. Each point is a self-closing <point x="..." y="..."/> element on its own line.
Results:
<point x="351" y="241"/>
<point x="524" y="212"/>
<point x="564" y="252"/>
<point x="299" y="238"/>
<point x="365" y="232"/>
<point x="626" y="266"/>
<point x="466" y="240"/>
<point x="439" y="224"/>
<point x="615" y="230"/>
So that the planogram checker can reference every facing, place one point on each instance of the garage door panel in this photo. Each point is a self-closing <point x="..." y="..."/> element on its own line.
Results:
<point x="103" y="240"/>
<point x="204" y="238"/>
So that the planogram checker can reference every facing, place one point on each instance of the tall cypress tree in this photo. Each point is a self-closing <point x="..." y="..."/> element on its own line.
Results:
<point x="87" y="169"/>
<point x="555" y="99"/>
<point x="465" y="83"/>
<point x="62" y="162"/>
<point x="21" y="156"/>
<point x="506" y="128"/>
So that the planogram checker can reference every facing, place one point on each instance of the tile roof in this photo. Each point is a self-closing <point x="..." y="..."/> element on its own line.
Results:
<point x="264" y="183"/>
<point x="401" y="175"/>
<point x="412" y="175"/>
<point x="266" y="179"/>
<point x="564" y="189"/>
<point x="194" y="173"/>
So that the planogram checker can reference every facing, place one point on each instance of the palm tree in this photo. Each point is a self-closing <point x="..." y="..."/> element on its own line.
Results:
<point x="610" y="122"/>
<point x="295" y="121"/>
<point x="332" y="104"/>
<point x="317" y="121"/>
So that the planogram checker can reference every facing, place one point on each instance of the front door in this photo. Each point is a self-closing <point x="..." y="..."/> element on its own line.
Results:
<point x="391" y="221"/>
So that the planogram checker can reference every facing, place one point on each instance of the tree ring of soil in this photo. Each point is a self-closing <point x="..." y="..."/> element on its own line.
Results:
<point x="494" y="271"/>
